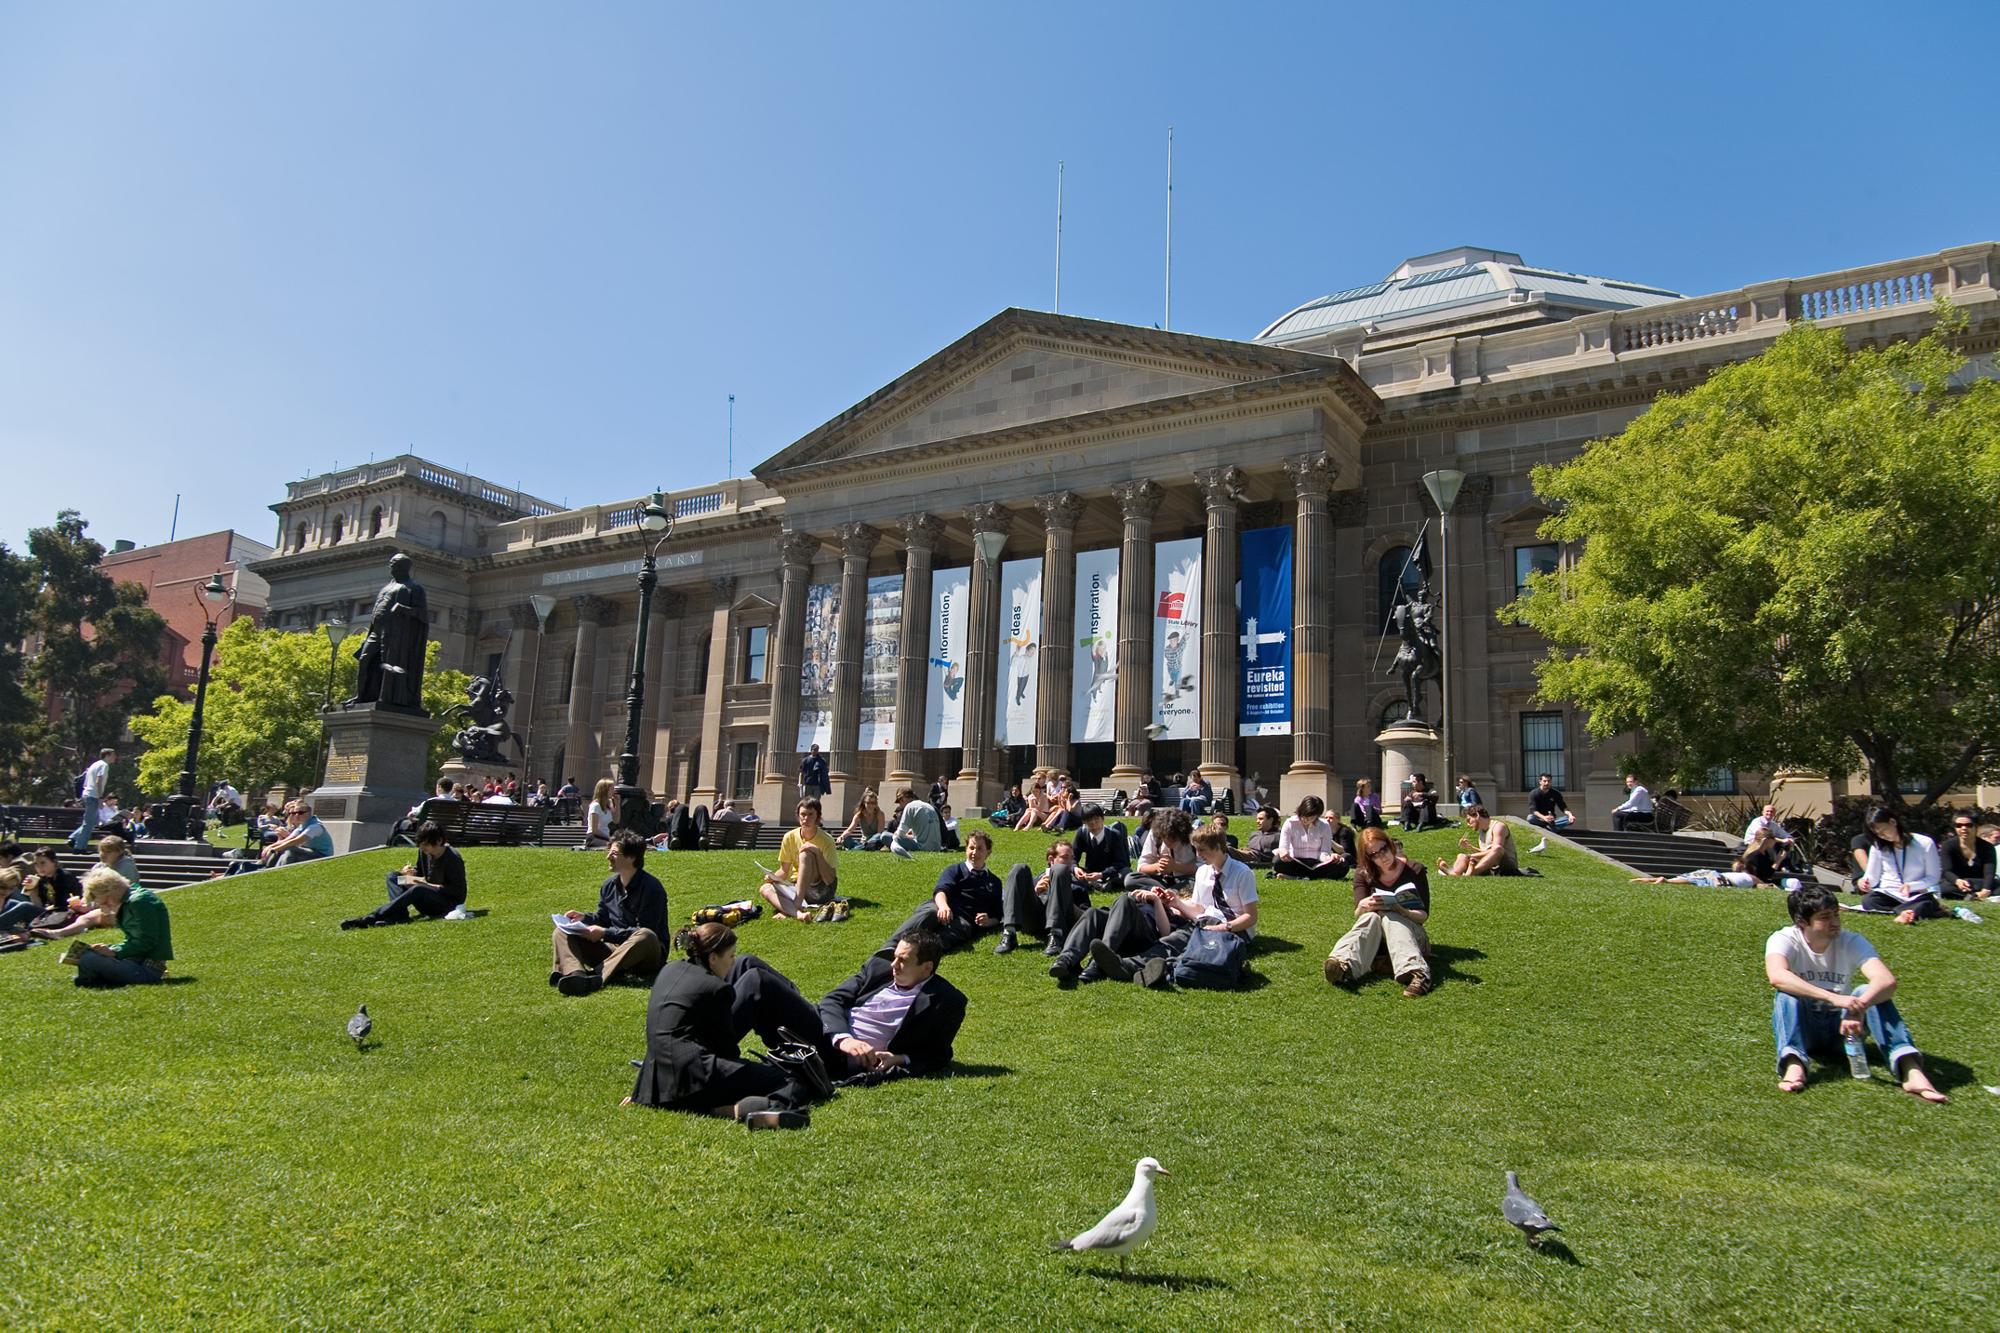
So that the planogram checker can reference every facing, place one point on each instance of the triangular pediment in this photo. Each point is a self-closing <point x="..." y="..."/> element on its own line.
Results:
<point x="1023" y="368"/>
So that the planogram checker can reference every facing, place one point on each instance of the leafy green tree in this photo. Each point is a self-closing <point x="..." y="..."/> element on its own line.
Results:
<point x="261" y="722"/>
<point x="98" y="646"/>
<point x="1794" y="563"/>
<point x="17" y="601"/>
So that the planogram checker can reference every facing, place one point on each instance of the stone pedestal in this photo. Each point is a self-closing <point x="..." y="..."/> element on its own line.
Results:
<point x="1407" y="747"/>
<point x="376" y="765"/>
<point x="838" y="804"/>
<point x="973" y="796"/>
<point x="1801" y="792"/>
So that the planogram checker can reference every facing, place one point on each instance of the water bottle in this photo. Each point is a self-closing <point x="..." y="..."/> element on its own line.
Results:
<point x="1857" y="1057"/>
<point x="1967" y="914"/>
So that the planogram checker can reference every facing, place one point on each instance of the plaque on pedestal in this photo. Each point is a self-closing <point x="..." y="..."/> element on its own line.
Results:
<point x="376" y="764"/>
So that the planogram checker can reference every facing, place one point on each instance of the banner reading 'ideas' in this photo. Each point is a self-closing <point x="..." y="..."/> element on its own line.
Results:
<point x="1020" y="651"/>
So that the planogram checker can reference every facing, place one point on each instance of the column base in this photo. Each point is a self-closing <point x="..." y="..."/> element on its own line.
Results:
<point x="1303" y="780"/>
<point x="973" y="796"/>
<point x="843" y="796"/>
<point x="1407" y="747"/>
<point x="777" y="799"/>
<point x="704" y="796"/>
<point x="1221" y="777"/>
<point x="1127" y="776"/>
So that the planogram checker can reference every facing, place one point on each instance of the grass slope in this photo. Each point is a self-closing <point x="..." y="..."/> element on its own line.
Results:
<point x="213" y="1153"/>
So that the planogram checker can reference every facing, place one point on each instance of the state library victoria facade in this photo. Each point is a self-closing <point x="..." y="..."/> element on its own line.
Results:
<point x="1093" y="546"/>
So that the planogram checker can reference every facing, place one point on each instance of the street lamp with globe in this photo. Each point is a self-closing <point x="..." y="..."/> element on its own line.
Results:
<point x="635" y="804"/>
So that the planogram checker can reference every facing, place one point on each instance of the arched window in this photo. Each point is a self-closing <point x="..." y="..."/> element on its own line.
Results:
<point x="375" y="522"/>
<point x="300" y="543"/>
<point x="339" y="526"/>
<point x="439" y="526"/>
<point x="1396" y="566"/>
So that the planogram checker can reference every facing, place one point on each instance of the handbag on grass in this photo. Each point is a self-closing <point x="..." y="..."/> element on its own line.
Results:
<point x="1213" y="960"/>
<point x="800" y="1061"/>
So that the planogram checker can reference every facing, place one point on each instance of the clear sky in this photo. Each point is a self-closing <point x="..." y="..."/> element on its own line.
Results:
<point x="246" y="242"/>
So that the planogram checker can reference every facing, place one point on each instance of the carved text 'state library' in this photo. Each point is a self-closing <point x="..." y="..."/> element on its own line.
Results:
<point x="1102" y="548"/>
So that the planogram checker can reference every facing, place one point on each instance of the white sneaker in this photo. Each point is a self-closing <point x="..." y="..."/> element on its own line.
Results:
<point x="458" y="914"/>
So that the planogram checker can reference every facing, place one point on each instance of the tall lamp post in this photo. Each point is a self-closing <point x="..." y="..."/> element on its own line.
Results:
<point x="1443" y="486"/>
<point x="336" y="630"/>
<point x="543" y="604"/>
<point x="185" y="805"/>
<point x="635" y="806"/>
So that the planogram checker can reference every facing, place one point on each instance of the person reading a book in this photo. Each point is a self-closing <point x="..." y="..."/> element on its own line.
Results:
<point x="1811" y="964"/>
<point x="142" y="957"/>
<point x="1312" y="847"/>
<point x="433" y="886"/>
<point x="1492" y="854"/>
<point x="1392" y="900"/>
<point x="806" y="876"/>
<point x="1903" y="871"/>
<point x="623" y="935"/>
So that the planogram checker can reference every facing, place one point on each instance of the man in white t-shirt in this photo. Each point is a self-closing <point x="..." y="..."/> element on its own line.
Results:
<point x="96" y="785"/>
<point x="1224" y="898"/>
<point x="1812" y="964"/>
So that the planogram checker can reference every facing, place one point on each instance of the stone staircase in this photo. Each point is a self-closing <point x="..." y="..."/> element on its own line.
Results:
<point x="1643" y="853"/>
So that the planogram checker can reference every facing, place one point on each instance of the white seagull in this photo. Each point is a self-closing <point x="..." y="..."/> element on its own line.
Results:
<point x="1126" y="1227"/>
<point x="1541" y="846"/>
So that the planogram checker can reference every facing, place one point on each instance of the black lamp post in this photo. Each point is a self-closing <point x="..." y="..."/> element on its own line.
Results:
<point x="635" y="805"/>
<point x="336" y="630"/>
<point x="185" y="809"/>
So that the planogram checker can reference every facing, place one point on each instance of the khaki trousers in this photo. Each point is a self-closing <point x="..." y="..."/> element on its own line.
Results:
<point x="1405" y="938"/>
<point x="640" y="954"/>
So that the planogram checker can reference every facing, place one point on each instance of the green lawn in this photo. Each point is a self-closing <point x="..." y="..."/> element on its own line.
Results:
<point x="214" y="1153"/>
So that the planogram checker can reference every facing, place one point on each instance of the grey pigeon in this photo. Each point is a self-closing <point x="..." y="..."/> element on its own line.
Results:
<point x="1524" y="1212"/>
<point x="1126" y="1227"/>
<point x="359" y="1026"/>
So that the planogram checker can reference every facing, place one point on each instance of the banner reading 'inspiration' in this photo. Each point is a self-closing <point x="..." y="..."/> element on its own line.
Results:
<point x="1093" y="703"/>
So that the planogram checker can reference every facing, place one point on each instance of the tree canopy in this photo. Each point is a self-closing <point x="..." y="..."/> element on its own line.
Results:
<point x="261" y="721"/>
<point x="1795" y="563"/>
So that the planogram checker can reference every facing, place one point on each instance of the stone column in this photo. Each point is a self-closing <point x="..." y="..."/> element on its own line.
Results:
<point x="662" y="639"/>
<point x="976" y="788"/>
<point x="1060" y="512"/>
<point x="1351" y="640"/>
<point x="1221" y="491"/>
<point x="780" y="787"/>
<point x="913" y="674"/>
<point x="1311" y="772"/>
<point x="580" y="753"/>
<point x="1139" y="501"/>
<point x="714" y="775"/>
<point x="857" y="544"/>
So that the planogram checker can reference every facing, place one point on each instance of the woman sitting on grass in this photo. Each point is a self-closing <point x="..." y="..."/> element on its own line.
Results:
<point x="700" y="1009"/>
<point x="597" y="820"/>
<point x="1761" y="858"/>
<point x="1811" y="963"/>
<point x="1366" y="812"/>
<point x="1312" y="847"/>
<point x="1037" y="812"/>
<point x="1385" y="917"/>
<point x="141" y="959"/>
<point x="114" y="853"/>
<point x="1902" y="871"/>
<point x="47" y="888"/>
<point x="867" y="822"/>
<point x="1968" y="861"/>
<point x="1063" y="817"/>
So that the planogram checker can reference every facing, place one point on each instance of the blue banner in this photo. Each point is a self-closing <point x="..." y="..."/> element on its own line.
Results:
<point x="1264" y="630"/>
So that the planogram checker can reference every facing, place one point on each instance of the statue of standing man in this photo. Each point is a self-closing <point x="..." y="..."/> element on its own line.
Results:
<point x="392" y="655"/>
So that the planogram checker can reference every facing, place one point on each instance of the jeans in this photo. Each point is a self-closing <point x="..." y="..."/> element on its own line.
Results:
<point x="1804" y="1029"/>
<point x="99" y="969"/>
<point x="80" y="840"/>
<point x="425" y="899"/>
<point x="1561" y="819"/>
<point x="1195" y="805"/>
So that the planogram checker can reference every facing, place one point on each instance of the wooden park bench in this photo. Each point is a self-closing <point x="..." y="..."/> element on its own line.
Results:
<point x="1111" y="798"/>
<point x="471" y="824"/>
<point x="41" y="821"/>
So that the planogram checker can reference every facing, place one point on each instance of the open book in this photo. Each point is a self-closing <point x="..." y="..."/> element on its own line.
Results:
<point x="567" y="926"/>
<point x="1403" y="897"/>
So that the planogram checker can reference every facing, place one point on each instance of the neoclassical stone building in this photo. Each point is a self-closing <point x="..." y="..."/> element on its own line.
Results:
<point x="1090" y="545"/>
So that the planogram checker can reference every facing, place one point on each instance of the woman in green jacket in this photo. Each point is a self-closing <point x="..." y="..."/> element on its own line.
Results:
<point x="148" y="945"/>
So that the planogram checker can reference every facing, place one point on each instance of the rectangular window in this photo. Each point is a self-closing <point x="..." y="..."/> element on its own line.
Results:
<point x="1541" y="749"/>
<point x="744" y="784"/>
<point x="756" y="639"/>
<point x="1716" y="782"/>
<point x="1533" y="560"/>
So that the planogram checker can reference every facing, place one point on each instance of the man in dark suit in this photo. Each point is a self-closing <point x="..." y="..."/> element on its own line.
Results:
<point x="895" y="1013"/>
<point x="623" y="935"/>
<point x="1103" y="856"/>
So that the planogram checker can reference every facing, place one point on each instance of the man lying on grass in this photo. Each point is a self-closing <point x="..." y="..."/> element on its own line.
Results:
<point x="966" y="900"/>
<point x="1812" y="963"/>
<point x="623" y="935"/>
<point x="1224" y="898"/>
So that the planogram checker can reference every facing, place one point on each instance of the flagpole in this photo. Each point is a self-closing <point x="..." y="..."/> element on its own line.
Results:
<point x="1059" y="203"/>
<point x="1167" y="321"/>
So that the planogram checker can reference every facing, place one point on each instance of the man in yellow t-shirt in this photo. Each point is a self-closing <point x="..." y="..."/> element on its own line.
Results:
<point x="807" y="865"/>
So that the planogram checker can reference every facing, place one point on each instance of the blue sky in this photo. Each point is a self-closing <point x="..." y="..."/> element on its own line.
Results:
<point x="243" y="243"/>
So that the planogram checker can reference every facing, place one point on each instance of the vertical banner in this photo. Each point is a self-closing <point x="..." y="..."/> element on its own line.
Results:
<point x="882" y="632"/>
<point x="1021" y="644"/>
<point x="1177" y="639"/>
<point x="944" y="710"/>
<point x="816" y="666"/>
<point x="1093" y="703"/>
<point x="1264" y="624"/>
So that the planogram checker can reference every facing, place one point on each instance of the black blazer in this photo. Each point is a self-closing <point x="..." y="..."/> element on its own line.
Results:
<point x="690" y="1037"/>
<point x="928" y="1029"/>
<point x="1111" y="853"/>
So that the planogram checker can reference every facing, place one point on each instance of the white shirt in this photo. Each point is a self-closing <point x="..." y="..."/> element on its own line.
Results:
<point x="1238" y="889"/>
<point x="1833" y="970"/>
<point x="599" y="824"/>
<point x="1638" y="801"/>
<point x="95" y="779"/>
<point x="1777" y="827"/>
<point x="1909" y="872"/>
<point x="1303" y="842"/>
<point x="498" y="798"/>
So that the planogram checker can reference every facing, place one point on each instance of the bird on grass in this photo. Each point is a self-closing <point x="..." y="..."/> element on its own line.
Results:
<point x="359" y="1026"/>
<point x="1541" y="846"/>
<point x="1126" y="1227"/>
<point x="1524" y="1212"/>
